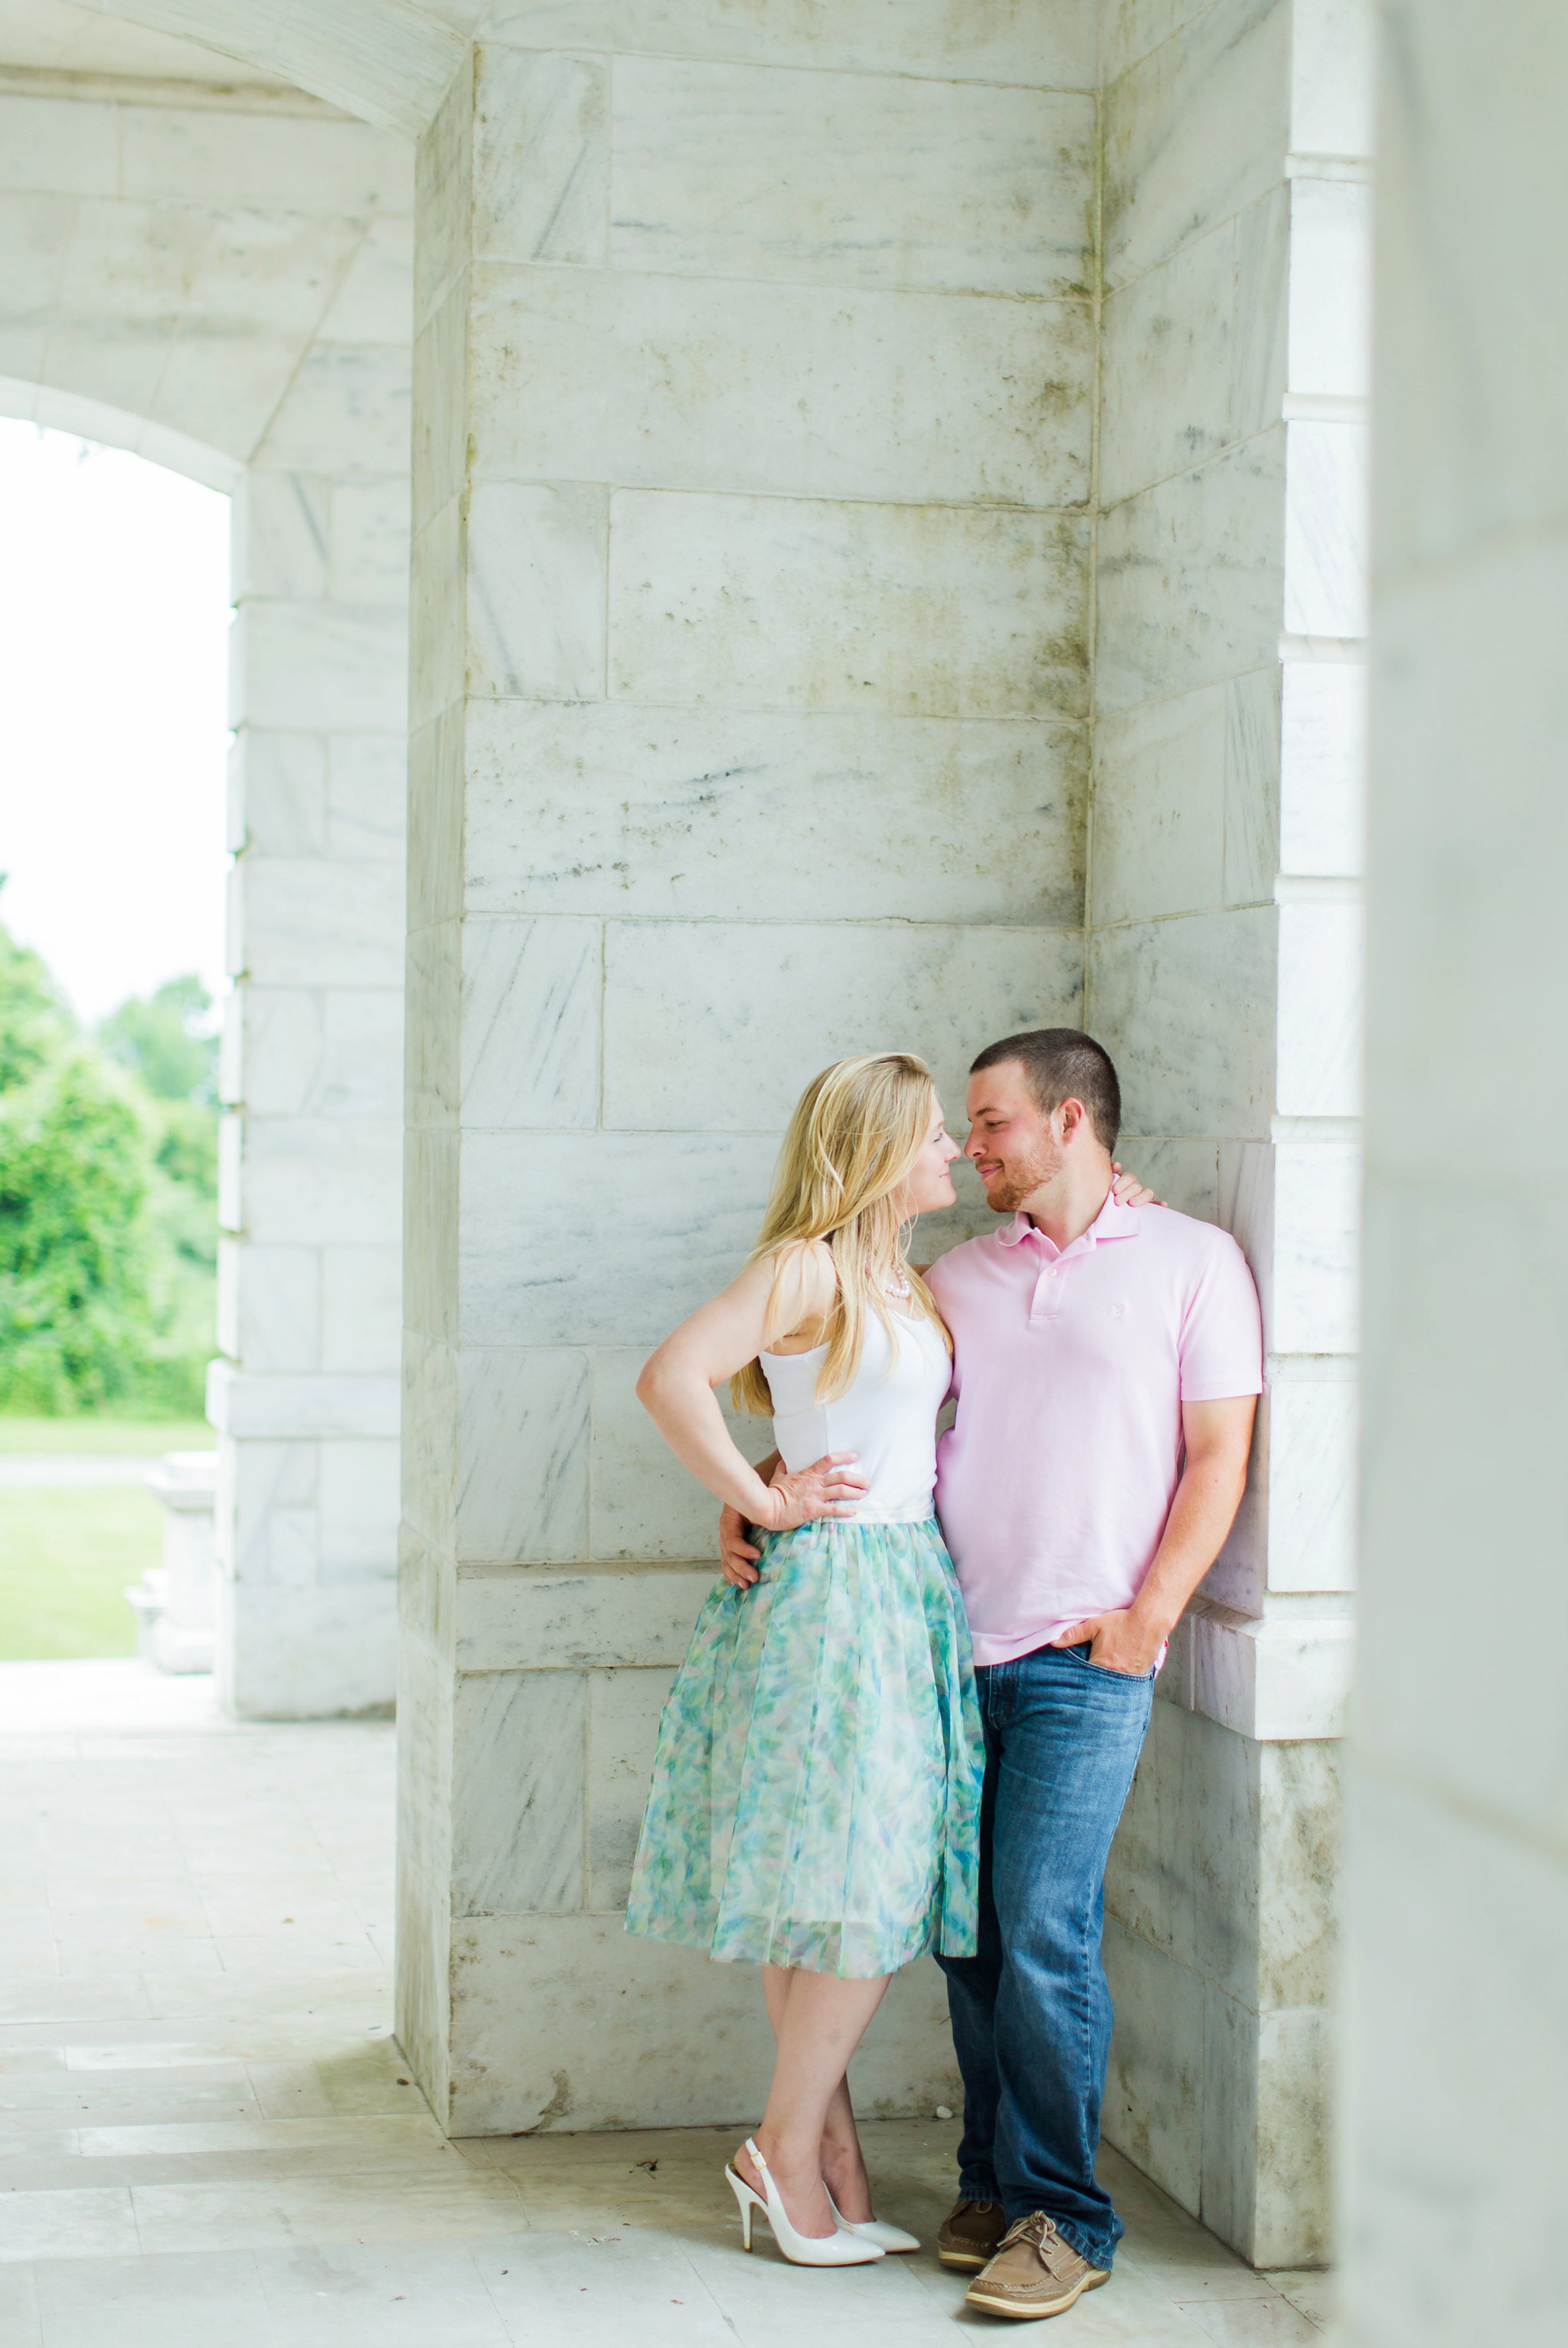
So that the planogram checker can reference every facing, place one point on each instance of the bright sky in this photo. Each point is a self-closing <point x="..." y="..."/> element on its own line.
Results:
<point x="114" y="626"/>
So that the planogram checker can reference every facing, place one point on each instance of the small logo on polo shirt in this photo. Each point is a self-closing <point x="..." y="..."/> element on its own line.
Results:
<point x="1117" y="1310"/>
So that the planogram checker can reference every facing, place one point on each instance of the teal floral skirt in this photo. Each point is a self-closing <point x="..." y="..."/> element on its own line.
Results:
<point x="817" y="1789"/>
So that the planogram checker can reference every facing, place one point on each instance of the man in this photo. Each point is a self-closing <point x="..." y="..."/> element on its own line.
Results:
<point x="1107" y="1363"/>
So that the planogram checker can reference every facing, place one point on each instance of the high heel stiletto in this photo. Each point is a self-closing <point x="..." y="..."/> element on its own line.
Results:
<point x="836" y="2250"/>
<point x="892" y="2239"/>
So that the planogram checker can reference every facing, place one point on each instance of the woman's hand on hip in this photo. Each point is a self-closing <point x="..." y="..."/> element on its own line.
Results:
<point x="828" y="1488"/>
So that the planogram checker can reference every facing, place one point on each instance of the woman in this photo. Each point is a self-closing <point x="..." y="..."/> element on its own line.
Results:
<point x="815" y="1805"/>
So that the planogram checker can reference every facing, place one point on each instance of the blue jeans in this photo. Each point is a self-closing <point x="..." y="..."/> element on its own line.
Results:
<point x="1032" y="2012"/>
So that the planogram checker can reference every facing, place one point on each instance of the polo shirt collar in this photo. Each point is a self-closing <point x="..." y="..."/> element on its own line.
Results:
<point x="1114" y="1221"/>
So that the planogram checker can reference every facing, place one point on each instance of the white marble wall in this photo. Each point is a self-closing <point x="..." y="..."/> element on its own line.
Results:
<point x="751" y="590"/>
<point x="1223" y="961"/>
<point x="307" y="1394"/>
<point x="221" y="281"/>
<point x="1455" y="2070"/>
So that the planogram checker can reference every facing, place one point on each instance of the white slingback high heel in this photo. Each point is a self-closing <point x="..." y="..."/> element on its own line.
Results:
<point x="840" y="2249"/>
<point x="871" y="2230"/>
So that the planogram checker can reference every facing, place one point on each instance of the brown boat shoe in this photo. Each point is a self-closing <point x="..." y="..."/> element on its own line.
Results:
<point x="1034" y="2273"/>
<point x="971" y="2235"/>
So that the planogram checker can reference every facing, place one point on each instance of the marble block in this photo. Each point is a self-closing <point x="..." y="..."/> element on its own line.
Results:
<point x="367" y="790"/>
<point x="369" y="541"/>
<point x="1284" y="1677"/>
<point x="177" y="154"/>
<point x="523" y="1419"/>
<point x="1332" y="79"/>
<point x="1330" y="288"/>
<point x="278" y="793"/>
<point x="1313" y="1306"/>
<point x="1152" y="987"/>
<point x="1159" y="807"/>
<point x="659" y="382"/>
<point x="432" y="1067"/>
<point x="1191" y="577"/>
<point x="533" y="2048"/>
<point x="645" y="1504"/>
<point x="723" y="170"/>
<point x="519" y="1742"/>
<point x="311" y="1653"/>
<point x="1323" y="752"/>
<point x="323" y="922"/>
<point x="531" y="1012"/>
<point x="347" y="410"/>
<point x="375" y="301"/>
<point x="1174" y="162"/>
<point x="1129" y="29"/>
<point x="685" y="1003"/>
<point x="928" y="611"/>
<point x="440" y="443"/>
<point x="602" y="1239"/>
<point x="59" y="150"/>
<point x="316" y="1180"/>
<point x="622" y="1730"/>
<point x="280" y="537"/>
<point x="358" y="1511"/>
<point x="276" y="1319"/>
<point x="1226" y="1859"/>
<point x="1312" y="1477"/>
<point x="295" y="1403"/>
<point x="541" y="157"/>
<point x="1154" y="2088"/>
<point x="361" y="1297"/>
<point x="1325" y="529"/>
<point x="1193" y="355"/>
<point x="1320" y="1008"/>
<point x="537" y="591"/>
<point x="601" y="808"/>
<point x="1266" y="2187"/>
<point x="333" y="1052"/>
<point x="317" y="667"/>
<point x="1183" y="1170"/>
<point x="982" y="40"/>
<point x="437" y="616"/>
<point x="595" y="1618"/>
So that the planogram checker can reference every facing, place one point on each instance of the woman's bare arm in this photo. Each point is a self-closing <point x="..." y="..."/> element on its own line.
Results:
<point x="677" y="1390"/>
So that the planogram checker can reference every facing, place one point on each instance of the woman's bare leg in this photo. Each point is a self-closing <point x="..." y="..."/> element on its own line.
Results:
<point x="843" y="2162"/>
<point x="818" y="2020"/>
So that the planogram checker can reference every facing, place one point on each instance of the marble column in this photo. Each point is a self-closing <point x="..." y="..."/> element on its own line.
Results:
<point x="751" y="597"/>
<point x="1455" y="2070"/>
<point x="305" y="1395"/>
<point x="1225" y="929"/>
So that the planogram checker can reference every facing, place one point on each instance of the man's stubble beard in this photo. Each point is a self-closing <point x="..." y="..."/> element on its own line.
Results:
<point x="1020" y="1179"/>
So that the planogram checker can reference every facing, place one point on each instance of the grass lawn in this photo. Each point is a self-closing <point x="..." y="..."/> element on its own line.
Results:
<point x="90" y="1432"/>
<point x="69" y="1554"/>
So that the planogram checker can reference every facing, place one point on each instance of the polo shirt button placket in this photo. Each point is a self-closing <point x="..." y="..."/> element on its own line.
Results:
<point x="1047" y="1300"/>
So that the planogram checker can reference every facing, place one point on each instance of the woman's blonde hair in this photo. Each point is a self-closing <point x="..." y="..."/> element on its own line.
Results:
<point x="851" y="1143"/>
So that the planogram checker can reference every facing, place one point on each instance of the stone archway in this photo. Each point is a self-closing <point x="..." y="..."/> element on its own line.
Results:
<point x="219" y="279"/>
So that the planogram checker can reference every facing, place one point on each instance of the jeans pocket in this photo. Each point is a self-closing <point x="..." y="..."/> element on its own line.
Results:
<point x="1104" y="1671"/>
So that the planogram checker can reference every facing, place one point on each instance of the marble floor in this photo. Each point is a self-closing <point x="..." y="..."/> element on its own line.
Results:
<point x="208" y="2138"/>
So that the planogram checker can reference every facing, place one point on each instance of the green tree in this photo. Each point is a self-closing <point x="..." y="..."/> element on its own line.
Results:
<point x="162" y="1039"/>
<point x="106" y="1225"/>
<point x="35" y="1024"/>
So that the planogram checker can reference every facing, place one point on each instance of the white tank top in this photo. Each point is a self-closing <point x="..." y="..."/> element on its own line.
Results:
<point x="887" y="1415"/>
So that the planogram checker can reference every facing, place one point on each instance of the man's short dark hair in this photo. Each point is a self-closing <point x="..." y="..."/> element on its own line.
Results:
<point x="1062" y="1064"/>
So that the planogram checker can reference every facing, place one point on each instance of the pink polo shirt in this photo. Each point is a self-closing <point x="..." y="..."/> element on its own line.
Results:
<point x="1071" y="1369"/>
